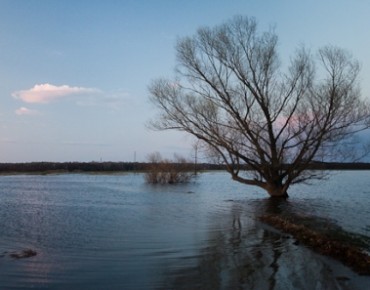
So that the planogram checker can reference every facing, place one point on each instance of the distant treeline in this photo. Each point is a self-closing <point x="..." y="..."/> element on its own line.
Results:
<point x="50" y="167"/>
<point x="46" y="167"/>
<point x="340" y="166"/>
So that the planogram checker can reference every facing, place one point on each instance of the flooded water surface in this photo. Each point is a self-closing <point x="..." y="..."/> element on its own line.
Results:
<point x="116" y="232"/>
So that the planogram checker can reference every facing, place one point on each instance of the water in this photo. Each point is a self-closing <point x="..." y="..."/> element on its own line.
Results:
<point x="116" y="232"/>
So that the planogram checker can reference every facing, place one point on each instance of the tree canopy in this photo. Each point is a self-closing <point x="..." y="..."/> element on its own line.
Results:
<point x="232" y="93"/>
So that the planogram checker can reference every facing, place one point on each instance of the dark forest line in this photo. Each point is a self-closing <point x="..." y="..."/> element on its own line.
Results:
<point x="52" y="167"/>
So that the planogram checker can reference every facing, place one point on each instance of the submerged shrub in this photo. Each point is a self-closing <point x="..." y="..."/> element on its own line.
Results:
<point x="165" y="171"/>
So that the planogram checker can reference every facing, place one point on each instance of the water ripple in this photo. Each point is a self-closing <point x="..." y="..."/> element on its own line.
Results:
<point x="116" y="232"/>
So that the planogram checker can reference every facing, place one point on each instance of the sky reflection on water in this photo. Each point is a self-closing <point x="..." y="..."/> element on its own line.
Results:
<point x="116" y="232"/>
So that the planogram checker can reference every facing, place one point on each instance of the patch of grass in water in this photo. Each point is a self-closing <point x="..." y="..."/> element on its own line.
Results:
<point x="26" y="253"/>
<point x="326" y="238"/>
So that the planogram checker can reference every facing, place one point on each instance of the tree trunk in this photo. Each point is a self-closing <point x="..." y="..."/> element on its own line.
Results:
<point x="277" y="190"/>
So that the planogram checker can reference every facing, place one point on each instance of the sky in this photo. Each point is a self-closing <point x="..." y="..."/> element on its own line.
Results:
<point x="74" y="74"/>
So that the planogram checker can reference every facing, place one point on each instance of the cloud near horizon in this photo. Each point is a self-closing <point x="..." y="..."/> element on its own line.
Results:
<point x="45" y="93"/>
<point x="25" y="111"/>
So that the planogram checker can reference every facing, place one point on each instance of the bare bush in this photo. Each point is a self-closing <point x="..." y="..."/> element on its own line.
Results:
<point x="166" y="171"/>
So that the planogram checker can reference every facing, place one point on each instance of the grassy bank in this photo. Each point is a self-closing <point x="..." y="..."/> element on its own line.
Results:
<point x="326" y="239"/>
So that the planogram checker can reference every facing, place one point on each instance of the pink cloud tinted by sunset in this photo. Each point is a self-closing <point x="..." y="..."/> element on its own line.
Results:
<point x="45" y="93"/>
<point x="24" y="111"/>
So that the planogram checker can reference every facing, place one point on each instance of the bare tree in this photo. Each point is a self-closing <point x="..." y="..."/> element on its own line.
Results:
<point x="232" y="93"/>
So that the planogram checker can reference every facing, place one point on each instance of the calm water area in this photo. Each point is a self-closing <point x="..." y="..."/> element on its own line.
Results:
<point x="117" y="232"/>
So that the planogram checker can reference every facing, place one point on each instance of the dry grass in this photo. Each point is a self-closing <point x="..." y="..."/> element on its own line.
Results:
<point x="350" y="255"/>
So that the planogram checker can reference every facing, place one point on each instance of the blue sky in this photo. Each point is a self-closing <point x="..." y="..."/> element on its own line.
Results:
<point x="74" y="74"/>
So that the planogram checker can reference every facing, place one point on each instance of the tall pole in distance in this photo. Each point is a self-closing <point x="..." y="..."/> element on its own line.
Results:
<point x="195" y="157"/>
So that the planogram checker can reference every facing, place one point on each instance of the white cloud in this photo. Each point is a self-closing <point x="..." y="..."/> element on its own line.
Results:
<point x="24" y="111"/>
<point x="46" y="93"/>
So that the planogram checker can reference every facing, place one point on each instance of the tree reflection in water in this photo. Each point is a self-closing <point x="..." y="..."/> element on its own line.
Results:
<point x="242" y="253"/>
